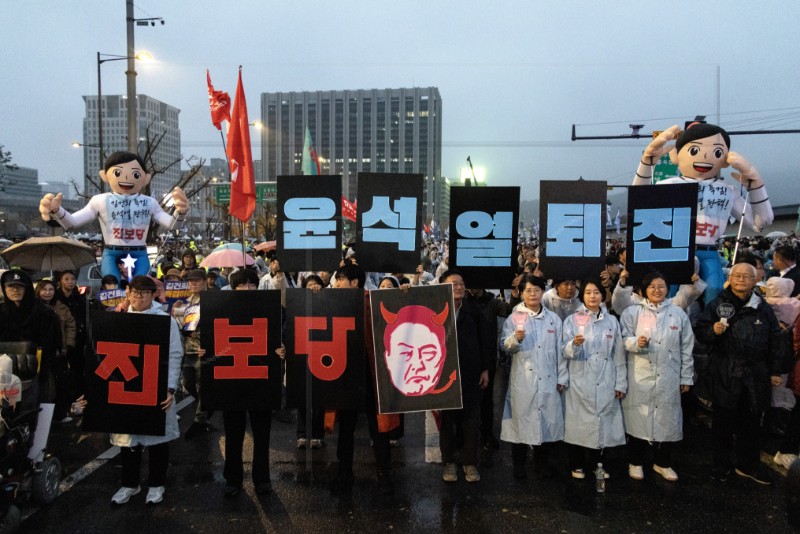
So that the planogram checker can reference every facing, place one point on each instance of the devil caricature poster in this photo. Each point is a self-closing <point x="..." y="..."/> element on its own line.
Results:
<point x="127" y="374"/>
<point x="416" y="349"/>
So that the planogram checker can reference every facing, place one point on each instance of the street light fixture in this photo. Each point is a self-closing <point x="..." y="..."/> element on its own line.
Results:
<point x="141" y="56"/>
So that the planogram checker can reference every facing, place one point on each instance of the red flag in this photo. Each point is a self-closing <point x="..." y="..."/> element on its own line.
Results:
<point x="348" y="209"/>
<point x="240" y="160"/>
<point x="220" y="104"/>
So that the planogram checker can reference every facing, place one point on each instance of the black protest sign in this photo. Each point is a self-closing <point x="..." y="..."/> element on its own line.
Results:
<point x="126" y="375"/>
<point x="416" y="349"/>
<point x="240" y="331"/>
<point x="389" y="222"/>
<point x="661" y="231"/>
<point x="309" y="222"/>
<point x="572" y="242"/>
<point x="325" y="358"/>
<point x="483" y="234"/>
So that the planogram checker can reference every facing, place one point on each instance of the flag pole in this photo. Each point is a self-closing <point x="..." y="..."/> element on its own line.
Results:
<point x="741" y="223"/>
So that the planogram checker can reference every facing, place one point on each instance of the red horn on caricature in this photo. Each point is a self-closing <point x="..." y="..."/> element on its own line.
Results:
<point x="440" y="317"/>
<point x="388" y="316"/>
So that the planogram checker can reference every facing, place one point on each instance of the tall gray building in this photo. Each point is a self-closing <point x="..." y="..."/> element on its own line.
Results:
<point x="20" y="183"/>
<point x="370" y="130"/>
<point x="153" y="115"/>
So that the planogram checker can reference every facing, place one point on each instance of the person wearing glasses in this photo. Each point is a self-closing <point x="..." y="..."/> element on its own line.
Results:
<point x="658" y="338"/>
<point x="141" y="293"/>
<point x="747" y="359"/>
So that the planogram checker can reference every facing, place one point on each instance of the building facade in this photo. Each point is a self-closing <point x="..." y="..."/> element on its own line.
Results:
<point x="366" y="130"/>
<point x="155" y="119"/>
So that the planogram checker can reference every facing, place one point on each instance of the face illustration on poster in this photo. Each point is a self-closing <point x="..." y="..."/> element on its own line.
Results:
<point x="415" y="349"/>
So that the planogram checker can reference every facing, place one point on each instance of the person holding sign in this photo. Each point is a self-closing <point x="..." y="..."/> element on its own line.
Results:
<point x="533" y="413"/>
<point x="659" y="340"/>
<point x="747" y="358"/>
<point x="142" y="291"/>
<point x="596" y="362"/>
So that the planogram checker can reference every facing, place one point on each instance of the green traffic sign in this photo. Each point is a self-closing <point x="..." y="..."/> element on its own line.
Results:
<point x="265" y="192"/>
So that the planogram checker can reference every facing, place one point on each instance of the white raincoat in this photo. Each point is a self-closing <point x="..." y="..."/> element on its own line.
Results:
<point x="533" y="412"/>
<point x="172" y="430"/>
<point x="652" y="406"/>
<point x="596" y="372"/>
<point x="561" y="307"/>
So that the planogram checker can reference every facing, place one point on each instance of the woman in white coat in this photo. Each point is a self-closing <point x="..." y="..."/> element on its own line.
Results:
<point x="595" y="357"/>
<point x="141" y="292"/>
<point x="533" y="414"/>
<point x="658" y="338"/>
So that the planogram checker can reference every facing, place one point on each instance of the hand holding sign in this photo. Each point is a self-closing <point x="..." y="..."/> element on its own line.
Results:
<point x="519" y="321"/>
<point x="725" y="312"/>
<point x="582" y="320"/>
<point x="644" y="328"/>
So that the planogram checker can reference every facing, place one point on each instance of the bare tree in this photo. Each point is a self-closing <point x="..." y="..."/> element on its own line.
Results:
<point x="5" y="165"/>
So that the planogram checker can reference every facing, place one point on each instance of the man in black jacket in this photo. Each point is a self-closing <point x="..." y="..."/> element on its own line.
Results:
<point x="785" y="260"/>
<point x="747" y="358"/>
<point x="476" y="355"/>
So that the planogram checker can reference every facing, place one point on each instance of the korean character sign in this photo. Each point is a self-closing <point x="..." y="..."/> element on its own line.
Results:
<point x="572" y="239"/>
<point x="389" y="222"/>
<point x="240" y="331"/>
<point x="484" y="225"/>
<point x="127" y="373"/>
<point x="309" y="222"/>
<point x="325" y="358"/>
<point x="661" y="231"/>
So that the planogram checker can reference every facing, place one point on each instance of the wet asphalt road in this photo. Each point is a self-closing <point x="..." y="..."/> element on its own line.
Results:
<point x="302" y="502"/>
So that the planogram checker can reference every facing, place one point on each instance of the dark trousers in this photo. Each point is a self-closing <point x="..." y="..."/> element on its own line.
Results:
<point x="487" y="408"/>
<point x="791" y="440"/>
<point x="190" y="378"/>
<point x="317" y="423"/>
<point x="662" y="452"/>
<point x="76" y="359"/>
<point x="235" y="423"/>
<point x="584" y="458"/>
<point x="541" y="453"/>
<point x="158" y="458"/>
<point x="345" y="445"/>
<point x="468" y="421"/>
<point x="744" y="424"/>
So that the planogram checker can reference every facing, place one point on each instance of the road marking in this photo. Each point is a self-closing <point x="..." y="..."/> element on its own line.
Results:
<point x="93" y="465"/>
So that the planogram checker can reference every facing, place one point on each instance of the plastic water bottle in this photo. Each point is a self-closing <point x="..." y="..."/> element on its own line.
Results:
<point x="600" y="476"/>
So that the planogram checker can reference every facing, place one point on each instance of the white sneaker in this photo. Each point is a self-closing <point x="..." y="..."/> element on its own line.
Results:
<point x="635" y="472"/>
<point x="124" y="494"/>
<point x="471" y="473"/>
<point x="667" y="472"/>
<point x="784" y="460"/>
<point x="578" y="473"/>
<point x="155" y="495"/>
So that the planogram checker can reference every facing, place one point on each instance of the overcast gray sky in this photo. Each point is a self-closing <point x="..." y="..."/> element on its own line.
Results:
<point x="513" y="75"/>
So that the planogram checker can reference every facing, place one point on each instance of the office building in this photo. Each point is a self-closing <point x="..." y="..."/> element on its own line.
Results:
<point x="156" y="119"/>
<point x="20" y="183"/>
<point x="366" y="130"/>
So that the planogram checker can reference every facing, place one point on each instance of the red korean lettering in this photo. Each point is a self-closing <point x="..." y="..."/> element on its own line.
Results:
<point x="117" y="233"/>
<point x="140" y="234"/>
<point x="327" y="360"/>
<point x="256" y="334"/>
<point x="119" y="356"/>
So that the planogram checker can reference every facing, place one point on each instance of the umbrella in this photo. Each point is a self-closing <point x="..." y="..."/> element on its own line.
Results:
<point x="775" y="234"/>
<point x="267" y="246"/>
<point x="229" y="246"/>
<point x="5" y="242"/>
<point x="49" y="254"/>
<point x="226" y="258"/>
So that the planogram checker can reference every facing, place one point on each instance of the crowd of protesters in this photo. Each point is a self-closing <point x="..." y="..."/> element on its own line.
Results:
<point x="593" y="364"/>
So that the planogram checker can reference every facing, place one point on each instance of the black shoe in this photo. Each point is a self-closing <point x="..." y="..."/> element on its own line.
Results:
<point x="264" y="488"/>
<point x="720" y="474"/>
<point x="490" y="442"/>
<point x="757" y="474"/>
<point x="519" y="472"/>
<point x="197" y="429"/>
<point x="385" y="484"/>
<point x="232" y="491"/>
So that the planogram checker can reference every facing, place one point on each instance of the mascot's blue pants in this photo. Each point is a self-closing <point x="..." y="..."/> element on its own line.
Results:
<point x="711" y="273"/>
<point x="111" y="257"/>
